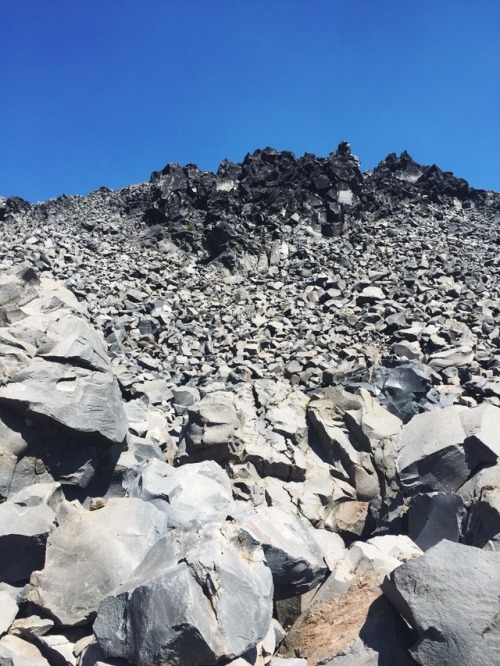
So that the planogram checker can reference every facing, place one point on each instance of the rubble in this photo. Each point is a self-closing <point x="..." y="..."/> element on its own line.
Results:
<point x="252" y="417"/>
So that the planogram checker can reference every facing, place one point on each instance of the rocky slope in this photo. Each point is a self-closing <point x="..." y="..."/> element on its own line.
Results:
<point x="246" y="417"/>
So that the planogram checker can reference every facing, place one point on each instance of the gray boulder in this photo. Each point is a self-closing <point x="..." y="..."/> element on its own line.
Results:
<point x="296" y="560"/>
<point x="211" y="432"/>
<point x="435" y="516"/>
<point x="449" y="596"/>
<point x="70" y="339"/>
<point x="359" y="438"/>
<point x="86" y="402"/>
<point x="195" y="493"/>
<point x="439" y="450"/>
<point x="25" y="524"/>
<point x="194" y="600"/>
<point x="481" y="494"/>
<point x="92" y="552"/>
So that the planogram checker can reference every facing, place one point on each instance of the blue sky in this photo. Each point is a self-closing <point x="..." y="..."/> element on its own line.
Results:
<point x="102" y="92"/>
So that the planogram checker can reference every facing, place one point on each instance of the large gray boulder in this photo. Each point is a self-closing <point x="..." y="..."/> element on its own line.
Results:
<point x="92" y="552"/>
<point x="195" y="599"/>
<point x="195" y="493"/>
<point x="435" y="516"/>
<point x="70" y="339"/>
<point x="31" y="454"/>
<point x="440" y="450"/>
<point x="296" y="560"/>
<point x="450" y="598"/>
<point x="54" y="365"/>
<point x="25" y="524"/>
<point x="85" y="402"/>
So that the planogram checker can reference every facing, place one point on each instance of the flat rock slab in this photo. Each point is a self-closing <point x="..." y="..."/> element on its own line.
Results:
<point x="450" y="597"/>
<point x="8" y="611"/>
<point x="16" y="652"/>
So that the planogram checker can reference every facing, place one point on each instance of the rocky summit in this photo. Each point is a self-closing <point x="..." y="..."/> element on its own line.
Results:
<point x="252" y="418"/>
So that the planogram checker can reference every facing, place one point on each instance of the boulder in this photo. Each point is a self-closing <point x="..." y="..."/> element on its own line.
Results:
<point x="435" y="516"/>
<point x="84" y="402"/>
<point x="449" y="597"/>
<point x="195" y="599"/>
<point x="26" y="520"/>
<point x="212" y="426"/>
<point x="359" y="437"/>
<point x="481" y="495"/>
<point x="190" y="495"/>
<point x="440" y="450"/>
<point x="295" y="559"/>
<point x="90" y="553"/>
<point x="70" y="339"/>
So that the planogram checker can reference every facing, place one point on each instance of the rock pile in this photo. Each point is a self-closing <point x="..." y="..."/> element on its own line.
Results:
<point x="252" y="418"/>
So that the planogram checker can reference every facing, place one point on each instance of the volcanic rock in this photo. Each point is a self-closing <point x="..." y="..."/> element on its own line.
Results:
<point x="190" y="602"/>
<point x="92" y="552"/>
<point x="268" y="360"/>
<point x="449" y="597"/>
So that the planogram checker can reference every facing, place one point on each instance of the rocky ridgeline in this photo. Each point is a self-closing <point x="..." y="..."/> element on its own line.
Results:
<point x="252" y="418"/>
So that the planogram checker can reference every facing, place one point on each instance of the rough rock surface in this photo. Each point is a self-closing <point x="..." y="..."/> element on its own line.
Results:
<point x="438" y="596"/>
<point x="267" y="379"/>
<point x="92" y="552"/>
<point x="191" y="602"/>
<point x="349" y="607"/>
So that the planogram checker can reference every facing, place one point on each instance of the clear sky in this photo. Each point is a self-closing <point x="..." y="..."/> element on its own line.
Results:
<point x="102" y="92"/>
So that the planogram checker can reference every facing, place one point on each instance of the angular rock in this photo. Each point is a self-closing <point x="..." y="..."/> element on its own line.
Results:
<point x="70" y="339"/>
<point x="440" y="450"/>
<point x="449" y="596"/>
<point x="85" y="402"/>
<point x="191" y="602"/>
<point x="359" y="436"/>
<point x="211" y="429"/>
<point x="294" y="558"/>
<point x="8" y="611"/>
<point x="15" y="651"/>
<point x="482" y="497"/>
<point x="348" y="605"/>
<point x="190" y="495"/>
<point x="435" y="516"/>
<point x="90" y="553"/>
<point x="25" y="524"/>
